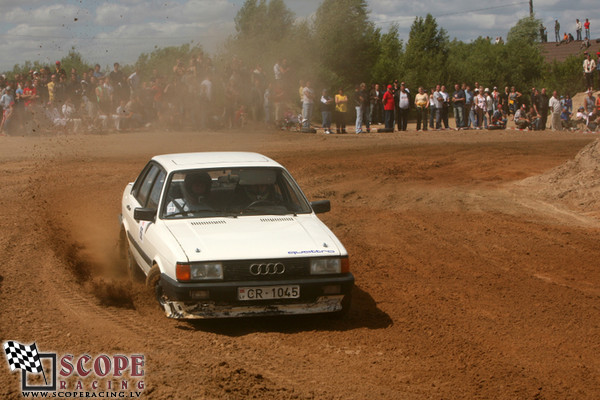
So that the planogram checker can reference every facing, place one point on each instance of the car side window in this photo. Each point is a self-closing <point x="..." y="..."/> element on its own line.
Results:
<point x="146" y="184"/>
<point x="156" y="190"/>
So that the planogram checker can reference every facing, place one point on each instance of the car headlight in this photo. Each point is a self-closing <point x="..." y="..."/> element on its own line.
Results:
<point x="322" y="266"/>
<point x="199" y="271"/>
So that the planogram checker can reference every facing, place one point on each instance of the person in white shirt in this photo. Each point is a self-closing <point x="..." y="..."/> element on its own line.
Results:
<point x="307" y="104"/>
<point x="445" y="106"/>
<point x="589" y="66"/>
<point x="489" y="102"/>
<point x="556" y="109"/>
<point x="404" y="105"/>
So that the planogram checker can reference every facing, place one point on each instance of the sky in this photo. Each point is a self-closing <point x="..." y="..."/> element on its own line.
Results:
<point x="120" y="30"/>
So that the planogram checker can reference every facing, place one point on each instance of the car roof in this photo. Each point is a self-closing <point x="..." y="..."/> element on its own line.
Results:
<point x="216" y="159"/>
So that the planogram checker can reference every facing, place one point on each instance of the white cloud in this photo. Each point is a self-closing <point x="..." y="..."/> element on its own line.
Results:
<point x="46" y="15"/>
<point x="120" y="30"/>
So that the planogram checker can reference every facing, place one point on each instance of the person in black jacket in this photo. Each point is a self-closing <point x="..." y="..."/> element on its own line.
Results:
<point x="376" y="97"/>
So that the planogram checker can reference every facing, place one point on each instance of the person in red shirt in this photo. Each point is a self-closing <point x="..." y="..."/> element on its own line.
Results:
<point x="586" y="25"/>
<point x="388" y="108"/>
<point x="29" y="94"/>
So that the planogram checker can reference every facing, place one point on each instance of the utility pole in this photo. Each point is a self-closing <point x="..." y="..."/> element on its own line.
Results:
<point x="531" y="8"/>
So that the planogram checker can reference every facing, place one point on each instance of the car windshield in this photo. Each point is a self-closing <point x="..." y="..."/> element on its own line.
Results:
<point x="205" y="193"/>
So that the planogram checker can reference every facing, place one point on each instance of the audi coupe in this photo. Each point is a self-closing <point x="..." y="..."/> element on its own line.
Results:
<point x="230" y="234"/>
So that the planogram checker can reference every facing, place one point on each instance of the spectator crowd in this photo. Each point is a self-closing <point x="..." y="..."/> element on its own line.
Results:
<point x="193" y="95"/>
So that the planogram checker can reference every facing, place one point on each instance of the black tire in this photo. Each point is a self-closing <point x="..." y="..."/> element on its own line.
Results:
<point x="134" y="271"/>
<point x="153" y="283"/>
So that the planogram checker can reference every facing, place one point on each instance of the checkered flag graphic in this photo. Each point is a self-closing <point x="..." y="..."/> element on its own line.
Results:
<point x="24" y="357"/>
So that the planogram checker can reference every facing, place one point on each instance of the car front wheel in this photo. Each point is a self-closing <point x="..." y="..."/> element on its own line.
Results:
<point x="153" y="282"/>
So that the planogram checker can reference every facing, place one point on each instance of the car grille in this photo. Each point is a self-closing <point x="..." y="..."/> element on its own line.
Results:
<point x="240" y="270"/>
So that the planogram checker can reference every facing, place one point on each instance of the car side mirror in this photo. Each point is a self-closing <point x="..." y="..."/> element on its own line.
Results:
<point x="144" y="214"/>
<point x="320" y="206"/>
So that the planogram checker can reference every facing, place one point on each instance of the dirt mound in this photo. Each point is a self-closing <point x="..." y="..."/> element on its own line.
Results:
<point x="575" y="183"/>
<point x="578" y="101"/>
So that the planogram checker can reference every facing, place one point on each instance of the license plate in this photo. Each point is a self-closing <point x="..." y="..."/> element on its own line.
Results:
<point x="269" y="292"/>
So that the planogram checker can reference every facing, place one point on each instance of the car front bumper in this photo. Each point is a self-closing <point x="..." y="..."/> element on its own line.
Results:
<point x="315" y="297"/>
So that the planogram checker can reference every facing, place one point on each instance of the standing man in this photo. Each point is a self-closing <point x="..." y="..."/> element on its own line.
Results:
<point x="277" y="71"/>
<point x="543" y="36"/>
<point x="366" y="105"/>
<point x="326" y="111"/>
<point x="307" y="105"/>
<point x="554" y="105"/>
<point x="586" y="25"/>
<point x="578" y="28"/>
<point x="541" y="106"/>
<point x="438" y="101"/>
<point x="458" y="101"/>
<point x="469" y="97"/>
<point x="396" y="92"/>
<point x="445" y="106"/>
<point x="403" y="106"/>
<point x="358" y="101"/>
<point x="301" y="91"/>
<point x="376" y="97"/>
<point x="557" y="31"/>
<point x="589" y="66"/>
<point x="117" y="77"/>
<point x="278" y="97"/>
<point x="431" y="108"/>
<point x="598" y="64"/>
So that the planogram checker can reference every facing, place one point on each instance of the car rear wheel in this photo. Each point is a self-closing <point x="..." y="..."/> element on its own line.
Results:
<point x="134" y="271"/>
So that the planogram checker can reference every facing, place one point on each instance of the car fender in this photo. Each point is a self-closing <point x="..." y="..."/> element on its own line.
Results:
<point x="169" y="252"/>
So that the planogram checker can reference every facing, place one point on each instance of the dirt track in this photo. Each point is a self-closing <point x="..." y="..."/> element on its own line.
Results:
<point x="469" y="284"/>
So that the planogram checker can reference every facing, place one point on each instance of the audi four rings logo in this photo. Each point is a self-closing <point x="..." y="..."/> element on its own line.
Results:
<point x="267" y="269"/>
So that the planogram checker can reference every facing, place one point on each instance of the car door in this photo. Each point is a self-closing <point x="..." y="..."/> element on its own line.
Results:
<point x="145" y="193"/>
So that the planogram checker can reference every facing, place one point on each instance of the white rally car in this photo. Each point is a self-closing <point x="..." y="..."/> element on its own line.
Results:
<point x="230" y="234"/>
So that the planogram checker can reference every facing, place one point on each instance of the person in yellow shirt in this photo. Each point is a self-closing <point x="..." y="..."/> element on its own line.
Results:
<point x="51" y="89"/>
<point x="301" y="91"/>
<point x="341" y="108"/>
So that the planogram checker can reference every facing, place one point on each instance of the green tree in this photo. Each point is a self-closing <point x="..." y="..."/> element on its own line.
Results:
<point x="346" y="41"/>
<point x="74" y="60"/>
<point x="525" y="30"/>
<point x="262" y="31"/>
<point x="523" y="58"/>
<point x="479" y="61"/>
<point x="389" y="60"/>
<point x="426" y="54"/>
<point x="163" y="59"/>
<point x="566" y="77"/>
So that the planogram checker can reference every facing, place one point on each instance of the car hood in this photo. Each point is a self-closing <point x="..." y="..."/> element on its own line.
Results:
<point x="254" y="237"/>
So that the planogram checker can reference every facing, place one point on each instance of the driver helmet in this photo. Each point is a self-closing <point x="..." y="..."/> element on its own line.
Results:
<point x="197" y="184"/>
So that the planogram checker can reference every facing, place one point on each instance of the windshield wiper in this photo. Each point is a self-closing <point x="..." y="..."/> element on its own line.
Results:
<point x="192" y="213"/>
